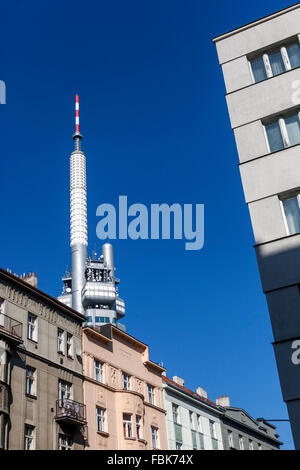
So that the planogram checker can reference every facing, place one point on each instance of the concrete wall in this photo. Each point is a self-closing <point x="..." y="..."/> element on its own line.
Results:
<point x="267" y="177"/>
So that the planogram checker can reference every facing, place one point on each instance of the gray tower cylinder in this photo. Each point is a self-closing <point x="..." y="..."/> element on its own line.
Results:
<point x="108" y="256"/>
<point x="79" y="253"/>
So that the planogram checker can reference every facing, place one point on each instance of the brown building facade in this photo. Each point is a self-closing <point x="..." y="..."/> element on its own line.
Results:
<point x="41" y="382"/>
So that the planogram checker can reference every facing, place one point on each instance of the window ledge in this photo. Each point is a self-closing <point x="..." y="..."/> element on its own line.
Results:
<point x="60" y="352"/>
<point x="70" y="357"/>
<point x="32" y="340"/>
<point x="130" y="438"/>
<point x="28" y="395"/>
<point x="143" y="441"/>
<point x="103" y="433"/>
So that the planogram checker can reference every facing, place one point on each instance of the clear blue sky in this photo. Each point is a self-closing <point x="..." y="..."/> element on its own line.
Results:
<point x="156" y="129"/>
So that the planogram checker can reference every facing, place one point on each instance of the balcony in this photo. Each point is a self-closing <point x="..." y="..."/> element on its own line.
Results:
<point x="70" y="412"/>
<point x="11" y="328"/>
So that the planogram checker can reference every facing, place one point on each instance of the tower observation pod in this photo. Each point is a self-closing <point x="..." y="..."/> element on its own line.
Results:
<point x="91" y="287"/>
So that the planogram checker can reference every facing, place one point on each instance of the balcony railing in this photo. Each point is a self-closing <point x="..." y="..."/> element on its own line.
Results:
<point x="11" y="327"/>
<point x="70" y="411"/>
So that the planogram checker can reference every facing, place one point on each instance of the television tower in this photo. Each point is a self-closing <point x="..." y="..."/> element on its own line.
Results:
<point x="91" y="286"/>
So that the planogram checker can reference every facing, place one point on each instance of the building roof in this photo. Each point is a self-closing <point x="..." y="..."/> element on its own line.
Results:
<point x="186" y="390"/>
<point x="256" y="22"/>
<point x="42" y="295"/>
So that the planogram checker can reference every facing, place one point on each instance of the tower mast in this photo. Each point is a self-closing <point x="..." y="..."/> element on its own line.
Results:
<point x="78" y="215"/>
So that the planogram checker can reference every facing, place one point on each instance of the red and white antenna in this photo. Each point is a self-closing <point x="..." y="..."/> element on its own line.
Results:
<point x="77" y="114"/>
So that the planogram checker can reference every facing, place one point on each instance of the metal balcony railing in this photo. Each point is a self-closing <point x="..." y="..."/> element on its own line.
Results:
<point x="11" y="327"/>
<point x="70" y="411"/>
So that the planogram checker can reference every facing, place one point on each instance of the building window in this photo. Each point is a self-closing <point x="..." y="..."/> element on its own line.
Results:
<point x="199" y="423"/>
<point x="29" y="441"/>
<point x="138" y="427"/>
<point x="291" y="209"/>
<point x="212" y="427"/>
<point x="64" y="391"/>
<point x="251" y="447"/>
<point x="154" y="437"/>
<point x="100" y="418"/>
<point x="69" y="345"/>
<point x="98" y="371"/>
<point x="259" y="447"/>
<point x="230" y="439"/>
<point x="178" y="446"/>
<point x="192" y="421"/>
<point x="32" y="327"/>
<point x="150" y="394"/>
<point x="284" y="132"/>
<point x="241" y="442"/>
<point x="30" y="381"/>
<point x="126" y="381"/>
<point x="276" y="62"/>
<point x="60" y="341"/>
<point x="127" y="425"/>
<point x="175" y="411"/>
<point x="65" y="442"/>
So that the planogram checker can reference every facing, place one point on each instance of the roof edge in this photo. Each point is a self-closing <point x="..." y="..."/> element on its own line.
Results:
<point x="35" y="291"/>
<point x="256" y="22"/>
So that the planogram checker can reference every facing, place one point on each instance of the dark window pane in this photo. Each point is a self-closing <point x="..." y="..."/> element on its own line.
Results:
<point x="276" y="63"/>
<point x="292" y="214"/>
<point x="274" y="136"/>
<point x="258" y="69"/>
<point x="294" y="55"/>
<point x="293" y="129"/>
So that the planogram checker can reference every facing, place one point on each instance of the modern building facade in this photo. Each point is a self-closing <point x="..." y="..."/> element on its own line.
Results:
<point x="196" y="423"/>
<point x="91" y="287"/>
<point x="122" y="392"/>
<point x="41" y="381"/>
<point x="261" y="68"/>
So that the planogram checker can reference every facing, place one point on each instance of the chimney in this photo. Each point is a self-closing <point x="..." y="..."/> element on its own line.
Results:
<point x="178" y="380"/>
<point x="223" y="401"/>
<point x="31" y="279"/>
<point x="201" y="392"/>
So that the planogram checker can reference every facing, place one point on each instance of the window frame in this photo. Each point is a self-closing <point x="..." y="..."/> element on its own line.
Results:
<point x="126" y="381"/>
<point x="98" y="370"/>
<point x="138" y="425"/>
<point x="101" y="419"/>
<point x="69" y="344"/>
<point x="280" y="120"/>
<point x="175" y="413"/>
<point x="28" y="437"/>
<point x="127" y="426"/>
<point x="241" y="442"/>
<point x="154" y="437"/>
<point x="32" y="327"/>
<point x="151" y="394"/>
<point x="68" y="446"/>
<point x="64" y="386"/>
<point x="60" y="341"/>
<point x="265" y="56"/>
<point x="30" y="381"/>
<point x="283" y="198"/>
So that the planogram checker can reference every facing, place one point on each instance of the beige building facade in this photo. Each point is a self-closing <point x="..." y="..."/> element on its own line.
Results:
<point x="41" y="381"/>
<point x="122" y="392"/>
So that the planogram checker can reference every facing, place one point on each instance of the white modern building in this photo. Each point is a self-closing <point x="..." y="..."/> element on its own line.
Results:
<point x="261" y="67"/>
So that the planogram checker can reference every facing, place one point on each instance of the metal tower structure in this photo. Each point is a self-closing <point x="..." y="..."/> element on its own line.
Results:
<point x="91" y="286"/>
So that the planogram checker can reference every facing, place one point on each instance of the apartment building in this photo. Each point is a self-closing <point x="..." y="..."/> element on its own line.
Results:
<point x="122" y="392"/>
<point x="196" y="423"/>
<point x="41" y="382"/>
<point x="261" y="67"/>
